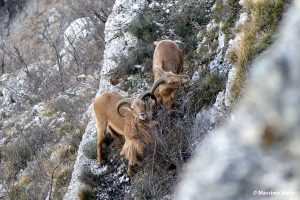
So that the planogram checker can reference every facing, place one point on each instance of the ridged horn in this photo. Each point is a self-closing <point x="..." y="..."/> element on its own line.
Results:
<point x="160" y="71"/>
<point x="157" y="83"/>
<point x="148" y="94"/>
<point x="122" y="102"/>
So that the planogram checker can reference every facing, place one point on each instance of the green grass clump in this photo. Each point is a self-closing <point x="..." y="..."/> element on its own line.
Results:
<point x="88" y="178"/>
<point x="205" y="91"/>
<point x="86" y="193"/>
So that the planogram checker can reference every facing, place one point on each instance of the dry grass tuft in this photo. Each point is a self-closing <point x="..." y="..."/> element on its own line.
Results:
<point x="256" y="35"/>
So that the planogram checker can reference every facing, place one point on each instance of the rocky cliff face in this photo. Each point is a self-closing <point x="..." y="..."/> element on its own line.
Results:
<point x="46" y="95"/>
<point x="256" y="154"/>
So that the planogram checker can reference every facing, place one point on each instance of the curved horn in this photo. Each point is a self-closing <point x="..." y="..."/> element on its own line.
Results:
<point x="148" y="94"/>
<point x="156" y="84"/>
<point x="160" y="71"/>
<point x="121" y="102"/>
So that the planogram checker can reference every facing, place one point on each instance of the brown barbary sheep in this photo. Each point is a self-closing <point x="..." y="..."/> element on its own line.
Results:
<point x="168" y="61"/>
<point x="123" y="116"/>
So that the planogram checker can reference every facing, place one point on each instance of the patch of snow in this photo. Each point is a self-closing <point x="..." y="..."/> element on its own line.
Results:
<point x="61" y="120"/>
<point x="228" y="99"/>
<point x="124" y="179"/>
<point x="3" y="141"/>
<point x="96" y="169"/>
<point x="243" y="18"/>
<point x="4" y="77"/>
<point x="213" y="7"/>
<point x="2" y="190"/>
<point x="195" y="76"/>
<point x="39" y="107"/>
<point x="221" y="40"/>
<point x="211" y="25"/>
<point x="54" y="16"/>
<point x="242" y="2"/>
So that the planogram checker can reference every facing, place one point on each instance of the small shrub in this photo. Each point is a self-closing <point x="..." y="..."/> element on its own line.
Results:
<point x="90" y="150"/>
<point x="86" y="193"/>
<point x="144" y="28"/>
<point x="88" y="178"/>
<point x="23" y="180"/>
<point x="67" y="127"/>
<point x="15" y="193"/>
<point x="205" y="91"/>
<point x="48" y="111"/>
<point x="18" y="154"/>
<point x="67" y="152"/>
<point x="63" y="176"/>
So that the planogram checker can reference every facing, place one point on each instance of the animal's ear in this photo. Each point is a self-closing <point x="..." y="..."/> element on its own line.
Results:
<point x="125" y="111"/>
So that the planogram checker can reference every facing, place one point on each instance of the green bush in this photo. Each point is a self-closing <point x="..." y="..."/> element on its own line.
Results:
<point x="86" y="193"/>
<point x="205" y="91"/>
<point x="88" y="178"/>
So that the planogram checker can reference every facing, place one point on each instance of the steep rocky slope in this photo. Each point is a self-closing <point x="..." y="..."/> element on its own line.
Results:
<point x="46" y="90"/>
<point x="256" y="154"/>
<point x="208" y="62"/>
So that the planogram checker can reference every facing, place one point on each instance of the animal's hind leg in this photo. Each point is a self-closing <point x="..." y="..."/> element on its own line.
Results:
<point x="115" y="135"/>
<point x="129" y="170"/>
<point x="100" y="139"/>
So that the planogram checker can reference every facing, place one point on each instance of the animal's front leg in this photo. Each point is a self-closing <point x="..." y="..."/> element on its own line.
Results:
<point x="100" y="140"/>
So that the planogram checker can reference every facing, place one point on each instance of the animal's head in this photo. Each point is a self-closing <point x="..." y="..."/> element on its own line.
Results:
<point x="136" y="107"/>
<point x="170" y="79"/>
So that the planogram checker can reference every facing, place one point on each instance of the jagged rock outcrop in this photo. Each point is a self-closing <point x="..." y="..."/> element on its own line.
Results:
<point x="256" y="154"/>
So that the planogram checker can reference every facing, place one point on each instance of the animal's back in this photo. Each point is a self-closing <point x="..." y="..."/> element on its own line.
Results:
<point x="168" y="56"/>
<point x="105" y="102"/>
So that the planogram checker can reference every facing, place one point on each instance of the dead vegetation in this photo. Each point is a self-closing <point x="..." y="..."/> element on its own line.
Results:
<point x="257" y="34"/>
<point x="59" y="81"/>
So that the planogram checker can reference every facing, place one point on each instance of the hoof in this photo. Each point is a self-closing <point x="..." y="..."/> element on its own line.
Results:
<point x="129" y="174"/>
<point x="101" y="162"/>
